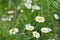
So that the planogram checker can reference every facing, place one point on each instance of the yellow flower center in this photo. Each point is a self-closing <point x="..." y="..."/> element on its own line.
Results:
<point x="13" y="30"/>
<point x="30" y="28"/>
<point x="44" y="30"/>
<point x="36" y="34"/>
<point x="40" y="19"/>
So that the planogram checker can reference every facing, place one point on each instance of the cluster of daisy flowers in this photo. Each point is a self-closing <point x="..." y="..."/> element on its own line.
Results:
<point x="43" y="30"/>
<point x="35" y="33"/>
<point x="39" y="19"/>
<point x="31" y="28"/>
<point x="28" y="5"/>
<point x="11" y="14"/>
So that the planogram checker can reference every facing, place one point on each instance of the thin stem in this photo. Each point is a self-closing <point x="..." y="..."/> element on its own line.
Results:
<point x="18" y="20"/>
<point x="9" y="3"/>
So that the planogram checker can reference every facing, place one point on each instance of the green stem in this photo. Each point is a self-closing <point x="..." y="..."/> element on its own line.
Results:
<point x="9" y="3"/>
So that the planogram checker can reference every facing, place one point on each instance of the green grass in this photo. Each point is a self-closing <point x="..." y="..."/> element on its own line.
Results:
<point x="48" y="8"/>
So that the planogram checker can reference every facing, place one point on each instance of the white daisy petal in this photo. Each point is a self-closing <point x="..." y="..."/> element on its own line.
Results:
<point x="36" y="34"/>
<point x="39" y="19"/>
<point x="16" y="29"/>
<point x="29" y="27"/>
<point x="28" y="5"/>
<point x="11" y="12"/>
<point x="13" y="31"/>
<point x="35" y="7"/>
<point x="56" y="16"/>
<point x="45" y="30"/>
<point x="6" y="19"/>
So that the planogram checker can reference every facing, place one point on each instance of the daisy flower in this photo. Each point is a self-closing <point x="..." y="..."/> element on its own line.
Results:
<point x="35" y="7"/>
<point x="56" y="16"/>
<point x="6" y="19"/>
<point x="29" y="27"/>
<point x="13" y="31"/>
<point x="11" y="12"/>
<point x="28" y="5"/>
<point x="36" y="34"/>
<point x="39" y="19"/>
<point x="45" y="30"/>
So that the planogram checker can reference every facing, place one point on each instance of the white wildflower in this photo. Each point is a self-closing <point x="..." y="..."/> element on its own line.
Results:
<point x="6" y="19"/>
<point x="45" y="30"/>
<point x="39" y="19"/>
<point x="35" y="7"/>
<point x="11" y="12"/>
<point x="13" y="31"/>
<point x="36" y="34"/>
<point x="56" y="16"/>
<point x="29" y="27"/>
<point x="28" y="5"/>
